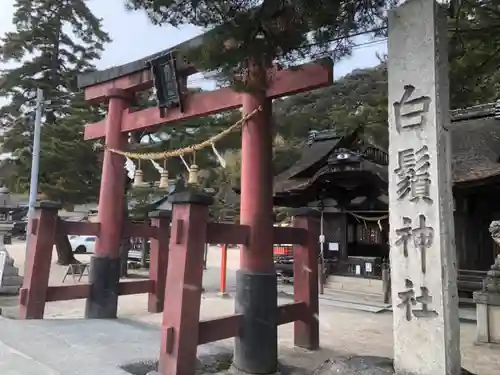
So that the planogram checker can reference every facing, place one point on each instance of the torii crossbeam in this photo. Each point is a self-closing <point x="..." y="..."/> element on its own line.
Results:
<point x="256" y="351"/>
<point x="284" y="82"/>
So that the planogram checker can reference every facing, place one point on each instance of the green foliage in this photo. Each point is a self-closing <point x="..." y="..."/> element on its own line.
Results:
<point x="266" y="31"/>
<point x="358" y="99"/>
<point x="53" y="41"/>
<point x="474" y="52"/>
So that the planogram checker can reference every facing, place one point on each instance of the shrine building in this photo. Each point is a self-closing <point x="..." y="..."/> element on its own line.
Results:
<point x="346" y="177"/>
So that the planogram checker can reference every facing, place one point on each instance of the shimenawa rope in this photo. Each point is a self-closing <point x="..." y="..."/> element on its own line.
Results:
<point x="186" y="150"/>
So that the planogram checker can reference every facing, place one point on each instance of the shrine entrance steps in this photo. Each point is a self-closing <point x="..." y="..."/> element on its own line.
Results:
<point x="356" y="293"/>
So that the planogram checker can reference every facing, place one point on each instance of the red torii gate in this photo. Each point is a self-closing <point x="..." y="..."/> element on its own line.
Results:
<point x="256" y="350"/>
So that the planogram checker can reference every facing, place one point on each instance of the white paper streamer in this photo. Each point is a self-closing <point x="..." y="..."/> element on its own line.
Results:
<point x="130" y="168"/>
<point x="158" y="167"/>
<point x="220" y="159"/>
<point x="184" y="162"/>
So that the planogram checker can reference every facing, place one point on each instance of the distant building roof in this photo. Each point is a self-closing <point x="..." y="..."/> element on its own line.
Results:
<point x="475" y="141"/>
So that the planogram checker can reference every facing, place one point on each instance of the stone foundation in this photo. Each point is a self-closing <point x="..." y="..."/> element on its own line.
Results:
<point x="361" y="365"/>
<point x="220" y="364"/>
<point x="218" y="361"/>
<point x="488" y="317"/>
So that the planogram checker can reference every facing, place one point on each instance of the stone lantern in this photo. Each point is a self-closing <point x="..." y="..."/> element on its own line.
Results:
<point x="10" y="281"/>
<point x="488" y="298"/>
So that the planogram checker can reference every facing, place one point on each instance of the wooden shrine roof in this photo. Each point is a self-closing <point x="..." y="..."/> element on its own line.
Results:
<point x="476" y="148"/>
<point x="475" y="139"/>
<point x="303" y="173"/>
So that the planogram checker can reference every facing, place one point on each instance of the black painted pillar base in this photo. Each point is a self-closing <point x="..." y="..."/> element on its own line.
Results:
<point x="104" y="276"/>
<point x="256" y="348"/>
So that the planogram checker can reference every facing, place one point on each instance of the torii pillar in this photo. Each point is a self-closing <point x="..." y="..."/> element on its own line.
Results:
<point x="104" y="274"/>
<point x="256" y="347"/>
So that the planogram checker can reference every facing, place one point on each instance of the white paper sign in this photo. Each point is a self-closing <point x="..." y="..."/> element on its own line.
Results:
<point x="358" y="269"/>
<point x="368" y="267"/>
<point x="333" y="246"/>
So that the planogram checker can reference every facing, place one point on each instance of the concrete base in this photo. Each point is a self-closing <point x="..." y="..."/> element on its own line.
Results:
<point x="104" y="277"/>
<point x="125" y="347"/>
<point x="256" y="349"/>
<point x="488" y="317"/>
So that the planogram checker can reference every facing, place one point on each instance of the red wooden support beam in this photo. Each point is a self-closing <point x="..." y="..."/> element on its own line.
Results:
<point x="141" y="230"/>
<point x="181" y="312"/>
<point x="142" y="80"/>
<point x="284" y="82"/>
<point x="67" y="292"/>
<point x="289" y="235"/>
<point x="36" y="277"/>
<point x="135" y="287"/>
<point x="219" y="329"/>
<point x="221" y="233"/>
<point x="158" y="259"/>
<point x="292" y="312"/>
<point x="137" y="81"/>
<point x="80" y="291"/>
<point x="229" y="326"/>
<point x="305" y="275"/>
<point x="69" y="228"/>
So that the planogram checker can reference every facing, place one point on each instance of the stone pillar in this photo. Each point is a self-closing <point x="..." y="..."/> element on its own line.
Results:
<point x="423" y="260"/>
<point x="181" y="311"/>
<point x="305" y="286"/>
<point x="104" y="274"/>
<point x="158" y="258"/>
<point x="10" y="281"/>
<point x="256" y="350"/>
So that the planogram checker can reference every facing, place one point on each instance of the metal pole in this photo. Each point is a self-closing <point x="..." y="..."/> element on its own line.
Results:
<point x="35" y="162"/>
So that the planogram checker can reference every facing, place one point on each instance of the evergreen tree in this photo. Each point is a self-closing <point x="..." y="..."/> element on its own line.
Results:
<point x="53" y="41"/>
<point x="267" y="31"/>
<point x="474" y="52"/>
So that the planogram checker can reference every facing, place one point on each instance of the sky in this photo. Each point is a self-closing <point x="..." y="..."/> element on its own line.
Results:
<point x="135" y="37"/>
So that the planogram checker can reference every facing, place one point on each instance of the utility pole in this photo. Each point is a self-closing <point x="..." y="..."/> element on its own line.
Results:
<point x="35" y="162"/>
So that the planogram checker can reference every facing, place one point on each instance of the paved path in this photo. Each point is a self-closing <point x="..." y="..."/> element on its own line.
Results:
<point x="63" y="336"/>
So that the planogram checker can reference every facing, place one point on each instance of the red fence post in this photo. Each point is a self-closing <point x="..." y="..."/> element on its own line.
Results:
<point x="181" y="312"/>
<point x="223" y="271"/>
<point x="305" y="275"/>
<point x="37" y="264"/>
<point x="158" y="258"/>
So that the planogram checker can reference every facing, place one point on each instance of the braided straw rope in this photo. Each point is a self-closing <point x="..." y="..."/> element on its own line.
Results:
<point x="186" y="150"/>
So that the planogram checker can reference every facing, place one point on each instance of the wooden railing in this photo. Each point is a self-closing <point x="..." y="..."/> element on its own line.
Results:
<point x="44" y="230"/>
<point x="186" y="234"/>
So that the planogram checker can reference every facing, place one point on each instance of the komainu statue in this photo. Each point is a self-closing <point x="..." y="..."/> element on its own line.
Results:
<point x="492" y="281"/>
